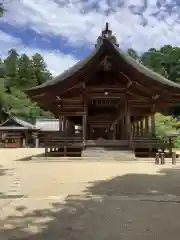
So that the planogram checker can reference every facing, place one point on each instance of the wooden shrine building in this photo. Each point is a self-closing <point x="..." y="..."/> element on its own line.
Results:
<point x="16" y="133"/>
<point x="111" y="96"/>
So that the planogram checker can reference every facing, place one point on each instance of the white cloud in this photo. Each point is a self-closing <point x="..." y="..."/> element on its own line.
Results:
<point x="56" y="61"/>
<point x="81" y="24"/>
<point x="7" y="42"/>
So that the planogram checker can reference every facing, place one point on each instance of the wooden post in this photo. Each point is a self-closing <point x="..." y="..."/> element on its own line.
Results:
<point x="117" y="130"/>
<point x="84" y="127"/>
<point x="36" y="141"/>
<point x="45" y="143"/>
<point x="133" y="129"/>
<point x="153" y="125"/>
<point x="157" y="158"/>
<point x="85" y="122"/>
<point x="146" y="124"/>
<point x="141" y="128"/>
<point x="114" y="131"/>
<point x="128" y="123"/>
<point x="137" y="128"/>
<point x="60" y="123"/>
<point x="162" y="158"/>
<point x="24" y="142"/>
<point x="173" y="158"/>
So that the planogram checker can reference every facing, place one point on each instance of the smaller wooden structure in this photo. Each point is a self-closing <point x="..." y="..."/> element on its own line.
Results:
<point x="16" y="133"/>
<point x="45" y="128"/>
<point x="53" y="136"/>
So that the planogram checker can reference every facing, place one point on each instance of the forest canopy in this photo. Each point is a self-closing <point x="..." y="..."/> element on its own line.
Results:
<point x="17" y="73"/>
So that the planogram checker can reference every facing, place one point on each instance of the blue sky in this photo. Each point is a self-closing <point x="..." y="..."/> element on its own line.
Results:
<point x="65" y="31"/>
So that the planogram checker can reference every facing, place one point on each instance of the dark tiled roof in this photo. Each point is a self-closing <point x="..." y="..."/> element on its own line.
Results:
<point x="129" y="60"/>
<point x="23" y="124"/>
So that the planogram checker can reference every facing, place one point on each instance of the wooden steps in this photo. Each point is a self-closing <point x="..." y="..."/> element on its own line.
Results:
<point x="103" y="153"/>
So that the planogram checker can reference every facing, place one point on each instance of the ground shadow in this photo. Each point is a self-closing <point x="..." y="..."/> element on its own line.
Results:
<point x="101" y="213"/>
<point x="28" y="158"/>
<point x="3" y="170"/>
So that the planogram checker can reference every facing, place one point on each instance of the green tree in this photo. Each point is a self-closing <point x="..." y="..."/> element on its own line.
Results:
<point x="18" y="104"/>
<point x="26" y="75"/>
<point x="154" y="59"/>
<point x="17" y="73"/>
<point x="131" y="52"/>
<point x="165" y="124"/>
<point x="40" y="69"/>
<point x="11" y="68"/>
<point x="1" y="9"/>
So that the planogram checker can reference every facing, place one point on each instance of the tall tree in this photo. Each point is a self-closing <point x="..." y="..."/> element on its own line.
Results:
<point x="1" y="9"/>
<point x="19" y="72"/>
<point x="11" y="68"/>
<point x="40" y="69"/>
<point x="26" y="75"/>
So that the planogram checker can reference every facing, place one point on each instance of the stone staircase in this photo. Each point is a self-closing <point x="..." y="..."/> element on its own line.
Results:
<point x="108" y="154"/>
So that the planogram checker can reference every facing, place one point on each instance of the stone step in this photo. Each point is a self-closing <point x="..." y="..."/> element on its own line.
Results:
<point x="107" y="153"/>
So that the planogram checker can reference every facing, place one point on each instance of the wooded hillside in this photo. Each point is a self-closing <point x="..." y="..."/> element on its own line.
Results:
<point x="17" y="73"/>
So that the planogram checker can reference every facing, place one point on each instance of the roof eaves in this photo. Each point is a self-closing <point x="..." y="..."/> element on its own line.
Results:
<point x="23" y="123"/>
<point x="144" y="70"/>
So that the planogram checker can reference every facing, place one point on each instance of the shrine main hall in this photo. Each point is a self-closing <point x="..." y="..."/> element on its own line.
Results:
<point x="110" y="97"/>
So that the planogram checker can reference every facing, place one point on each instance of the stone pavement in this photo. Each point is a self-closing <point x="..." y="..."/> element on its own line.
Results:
<point x="87" y="200"/>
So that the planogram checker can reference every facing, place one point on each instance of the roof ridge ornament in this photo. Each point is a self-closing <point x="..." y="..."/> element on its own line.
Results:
<point x="107" y="34"/>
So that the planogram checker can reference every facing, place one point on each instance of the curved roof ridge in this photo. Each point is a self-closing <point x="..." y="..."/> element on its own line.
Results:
<point x="128" y="59"/>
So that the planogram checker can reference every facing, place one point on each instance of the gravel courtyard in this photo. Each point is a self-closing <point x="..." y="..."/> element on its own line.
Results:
<point x="87" y="200"/>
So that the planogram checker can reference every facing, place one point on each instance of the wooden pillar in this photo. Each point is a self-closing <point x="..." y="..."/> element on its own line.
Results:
<point x="119" y="129"/>
<point x="146" y="124"/>
<point x="37" y="141"/>
<point x="132" y="129"/>
<point x="24" y="142"/>
<point x="138" y="129"/>
<point x="60" y="123"/>
<point x="135" y="129"/>
<point x="114" y="131"/>
<point x="128" y="123"/>
<point x="64" y="124"/>
<point x="27" y="139"/>
<point x="141" y="128"/>
<point x="85" y="121"/>
<point x="123" y="128"/>
<point x="153" y="125"/>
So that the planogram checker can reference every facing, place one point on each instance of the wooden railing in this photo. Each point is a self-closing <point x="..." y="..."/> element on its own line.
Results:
<point x="106" y="143"/>
<point x="154" y="142"/>
<point x="56" y="140"/>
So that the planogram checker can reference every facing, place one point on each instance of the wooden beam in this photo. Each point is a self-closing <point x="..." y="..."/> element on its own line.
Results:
<point x="70" y="106"/>
<point x="34" y="97"/>
<point x="103" y="88"/>
<point x="71" y="100"/>
<point x="103" y="96"/>
<point x="70" y="114"/>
